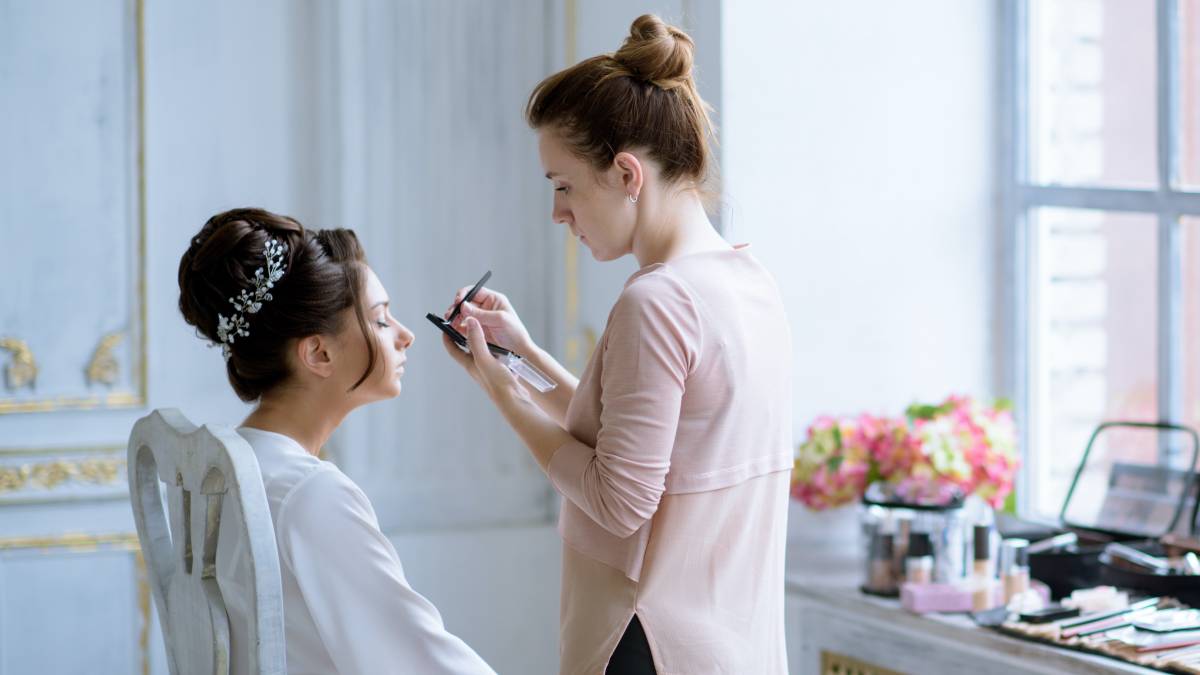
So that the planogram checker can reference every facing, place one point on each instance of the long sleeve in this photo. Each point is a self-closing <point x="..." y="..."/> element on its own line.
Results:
<point x="651" y="345"/>
<point x="368" y="617"/>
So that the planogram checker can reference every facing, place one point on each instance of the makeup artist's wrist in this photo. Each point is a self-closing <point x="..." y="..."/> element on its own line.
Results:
<point x="510" y="396"/>
<point x="526" y="348"/>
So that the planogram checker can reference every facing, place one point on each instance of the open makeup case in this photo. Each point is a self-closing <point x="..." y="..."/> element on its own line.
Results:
<point x="1129" y="521"/>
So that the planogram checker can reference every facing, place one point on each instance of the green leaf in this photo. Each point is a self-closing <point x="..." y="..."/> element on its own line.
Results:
<point x="1010" y="502"/>
<point x="874" y="474"/>
<point x="924" y="411"/>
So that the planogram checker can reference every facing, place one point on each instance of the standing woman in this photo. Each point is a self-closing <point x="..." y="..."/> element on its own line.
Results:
<point x="673" y="450"/>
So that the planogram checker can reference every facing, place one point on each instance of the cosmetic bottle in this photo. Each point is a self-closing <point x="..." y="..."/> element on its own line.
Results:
<point x="918" y="565"/>
<point x="1014" y="567"/>
<point x="881" y="578"/>
<point x="983" y="580"/>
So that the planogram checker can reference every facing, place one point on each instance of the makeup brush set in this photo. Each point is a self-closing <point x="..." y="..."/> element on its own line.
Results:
<point x="1155" y="632"/>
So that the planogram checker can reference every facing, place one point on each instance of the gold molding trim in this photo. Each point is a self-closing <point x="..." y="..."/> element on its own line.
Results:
<point x="117" y="400"/>
<point x="143" y="584"/>
<point x="77" y="542"/>
<point x="62" y="450"/>
<point x="138" y="397"/>
<point x="833" y="663"/>
<point x="23" y="370"/>
<point x="87" y="543"/>
<point x="103" y="368"/>
<point x="50" y="475"/>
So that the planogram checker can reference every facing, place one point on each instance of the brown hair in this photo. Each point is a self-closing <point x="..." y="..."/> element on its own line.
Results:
<point x="642" y="96"/>
<point x="322" y="277"/>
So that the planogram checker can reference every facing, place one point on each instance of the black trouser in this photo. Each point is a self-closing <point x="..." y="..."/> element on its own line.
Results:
<point x="632" y="655"/>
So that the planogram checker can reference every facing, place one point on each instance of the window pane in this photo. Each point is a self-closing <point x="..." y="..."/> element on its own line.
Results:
<point x="1093" y="104"/>
<point x="1094" y="336"/>
<point x="1134" y="482"/>
<point x="1190" y="369"/>
<point x="1189" y="81"/>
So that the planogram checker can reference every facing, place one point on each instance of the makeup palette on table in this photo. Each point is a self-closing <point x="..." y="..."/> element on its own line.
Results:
<point x="1126" y="559"/>
<point x="1135" y="487"/>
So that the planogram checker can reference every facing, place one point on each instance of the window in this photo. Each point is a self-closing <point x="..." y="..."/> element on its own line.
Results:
<point x="1101" y="199"/>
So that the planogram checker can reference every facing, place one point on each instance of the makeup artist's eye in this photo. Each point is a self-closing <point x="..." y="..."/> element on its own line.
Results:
<point x="562" y="189"/>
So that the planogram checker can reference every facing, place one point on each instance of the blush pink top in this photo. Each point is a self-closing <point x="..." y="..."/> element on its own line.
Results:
<point x="676" y="483"/>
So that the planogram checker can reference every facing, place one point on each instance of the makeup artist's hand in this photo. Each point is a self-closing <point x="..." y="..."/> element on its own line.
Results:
<point x="497" y="381"/>
<point x="500" y="323"/>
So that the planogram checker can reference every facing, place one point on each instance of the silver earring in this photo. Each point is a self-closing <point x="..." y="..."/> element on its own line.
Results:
<point x="632" y="199"/>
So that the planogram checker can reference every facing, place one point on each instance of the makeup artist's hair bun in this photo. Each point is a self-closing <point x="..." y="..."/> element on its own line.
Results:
<point x="643" y="96"/>
<point x="657" y="53"/>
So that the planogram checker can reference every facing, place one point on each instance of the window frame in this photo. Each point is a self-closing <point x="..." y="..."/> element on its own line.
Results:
<point x="1020" y="196"/>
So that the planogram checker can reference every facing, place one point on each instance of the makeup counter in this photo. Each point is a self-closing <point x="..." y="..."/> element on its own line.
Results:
<point x="838" y="629"/>
<point x="1109" y="587"/>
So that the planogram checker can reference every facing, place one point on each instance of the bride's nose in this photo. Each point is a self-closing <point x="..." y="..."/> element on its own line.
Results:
<point x="404" y="338"/>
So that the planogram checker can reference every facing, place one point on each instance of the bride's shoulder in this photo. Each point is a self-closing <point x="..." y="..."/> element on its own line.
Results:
<point x="324" y="493"/>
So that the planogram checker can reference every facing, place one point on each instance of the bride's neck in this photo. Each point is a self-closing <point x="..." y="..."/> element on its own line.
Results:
<point x="301" y="418"/>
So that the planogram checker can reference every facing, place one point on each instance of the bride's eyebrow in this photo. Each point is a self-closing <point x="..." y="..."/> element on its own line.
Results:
<point x="385" y="303"/>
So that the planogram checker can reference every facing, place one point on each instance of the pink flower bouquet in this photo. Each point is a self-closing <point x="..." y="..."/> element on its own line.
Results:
<point x="930" y="456"/>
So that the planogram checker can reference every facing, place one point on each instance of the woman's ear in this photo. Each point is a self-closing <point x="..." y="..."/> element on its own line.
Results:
<point x="315" y="355"/>
<point x="629" y="168"/>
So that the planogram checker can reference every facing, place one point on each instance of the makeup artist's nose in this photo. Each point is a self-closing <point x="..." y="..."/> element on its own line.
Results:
<point x="561" y="215"/>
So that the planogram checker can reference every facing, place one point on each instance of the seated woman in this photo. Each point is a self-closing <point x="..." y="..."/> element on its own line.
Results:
<point x="304" y="326"/>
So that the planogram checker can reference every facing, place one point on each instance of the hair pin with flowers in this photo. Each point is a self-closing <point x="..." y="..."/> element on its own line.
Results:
<point x="249" y="301"/>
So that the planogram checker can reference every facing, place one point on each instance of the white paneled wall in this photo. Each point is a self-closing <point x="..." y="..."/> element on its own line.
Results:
<point x="403" y="121"/>
<point x="449" y="189"/>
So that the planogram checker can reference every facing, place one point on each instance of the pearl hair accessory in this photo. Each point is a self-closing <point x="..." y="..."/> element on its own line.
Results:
<point x="229" y="328"/>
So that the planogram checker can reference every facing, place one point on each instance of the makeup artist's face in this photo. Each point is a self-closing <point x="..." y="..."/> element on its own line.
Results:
<point x="593" y="205"/>
<point x="391" y="338"/>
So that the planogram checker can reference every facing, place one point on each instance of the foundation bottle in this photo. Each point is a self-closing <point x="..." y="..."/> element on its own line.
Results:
<point x="919" y="563"/>
<point x="1014" y="567"/>
<point x="982" y="573"/>
<point x="881" y="567"/>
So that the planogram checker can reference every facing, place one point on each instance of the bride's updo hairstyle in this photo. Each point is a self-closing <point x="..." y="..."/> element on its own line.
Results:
<point x="322" y="277"/>
<point x="641" y="97"/>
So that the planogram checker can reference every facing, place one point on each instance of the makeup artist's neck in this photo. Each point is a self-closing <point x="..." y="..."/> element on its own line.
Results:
<point x="675" y="228"/>
<point x="303" y="418"/>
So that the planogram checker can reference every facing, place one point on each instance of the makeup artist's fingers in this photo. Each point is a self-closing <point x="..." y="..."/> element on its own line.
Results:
<point x="461" y="357"/>
<point x="489" y="368"/>
<point x="485" y="297"/>
<point x="478" y="344"/>
<point x="487" y="317"/>
<point x="462" y="293"/>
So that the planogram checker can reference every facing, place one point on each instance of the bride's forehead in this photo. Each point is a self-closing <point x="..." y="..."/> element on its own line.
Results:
<point x="373" y="290"/>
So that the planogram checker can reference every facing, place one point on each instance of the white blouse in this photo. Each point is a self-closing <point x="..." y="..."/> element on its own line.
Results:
<point x="347" y="606"/>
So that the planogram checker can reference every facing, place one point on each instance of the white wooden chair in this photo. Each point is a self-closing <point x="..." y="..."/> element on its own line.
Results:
<point x="198" y="472"/>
